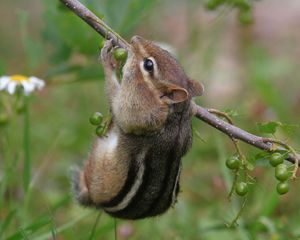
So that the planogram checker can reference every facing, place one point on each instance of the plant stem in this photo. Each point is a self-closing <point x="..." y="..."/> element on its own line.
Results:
<point x="26" y="146"/>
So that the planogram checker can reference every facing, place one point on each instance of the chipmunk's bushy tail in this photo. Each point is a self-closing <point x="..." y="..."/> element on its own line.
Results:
<point x="78" y="186"/>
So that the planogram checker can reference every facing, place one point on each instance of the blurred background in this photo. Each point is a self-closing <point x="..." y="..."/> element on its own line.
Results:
<point x="247" y="58"/>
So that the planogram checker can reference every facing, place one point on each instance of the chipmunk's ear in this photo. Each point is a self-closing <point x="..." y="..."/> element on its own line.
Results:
<point x="195" y="88"/>
<point x="173" y="94"/>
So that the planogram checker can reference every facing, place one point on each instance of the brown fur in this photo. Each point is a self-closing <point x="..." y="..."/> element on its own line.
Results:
<point x="141" y="106"/>
<point x="105" y="174"/>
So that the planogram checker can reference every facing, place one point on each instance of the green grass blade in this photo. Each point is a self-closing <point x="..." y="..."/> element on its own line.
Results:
<point x="37" y="225"/>
<point x="64" y="227"/>
<point x="95" y="226"/>
<point x="7" y="222"/>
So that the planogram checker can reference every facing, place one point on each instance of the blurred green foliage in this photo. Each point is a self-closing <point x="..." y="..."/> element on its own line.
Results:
<point x="50" y="42"/>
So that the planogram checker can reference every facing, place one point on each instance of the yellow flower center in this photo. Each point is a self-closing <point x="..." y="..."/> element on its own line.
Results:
<point x="19" y="78"/>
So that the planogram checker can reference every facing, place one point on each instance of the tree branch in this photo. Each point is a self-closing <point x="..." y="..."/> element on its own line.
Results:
<point x="99" y="25"/>
<point x="235" y="132"/>
<point x="199" y="112"/>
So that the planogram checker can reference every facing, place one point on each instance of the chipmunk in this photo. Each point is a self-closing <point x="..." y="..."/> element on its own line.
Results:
<point x="134" y="171"/>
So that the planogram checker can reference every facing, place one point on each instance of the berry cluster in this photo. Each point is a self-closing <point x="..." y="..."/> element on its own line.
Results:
<point x="97" y="120"/>
<point x="234" y="163"/>
<point x="282" y="173"/>
<point x="102" y="123"/>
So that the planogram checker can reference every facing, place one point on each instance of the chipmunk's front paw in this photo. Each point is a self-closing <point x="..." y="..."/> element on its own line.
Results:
<point x="106" y="55"/>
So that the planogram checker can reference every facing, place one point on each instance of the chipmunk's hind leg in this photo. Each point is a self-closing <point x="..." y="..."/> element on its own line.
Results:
<point x="79" y="187"/>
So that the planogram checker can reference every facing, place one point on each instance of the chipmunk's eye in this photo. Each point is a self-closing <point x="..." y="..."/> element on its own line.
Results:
<point x="148" y="65"/>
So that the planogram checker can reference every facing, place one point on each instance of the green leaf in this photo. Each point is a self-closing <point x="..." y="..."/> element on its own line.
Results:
<point x="231" y="112"/>
<point x="289" y="128"/>
<point x="269" y="127"/>
<point x="261" y="156"/>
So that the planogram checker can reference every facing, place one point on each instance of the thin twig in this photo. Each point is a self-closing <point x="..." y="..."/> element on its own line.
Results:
<point x="237" y="133"/>
<point x="99" y="25"/>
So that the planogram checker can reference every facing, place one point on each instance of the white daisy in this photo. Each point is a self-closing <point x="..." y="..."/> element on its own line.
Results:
<point x="29" y="84"/>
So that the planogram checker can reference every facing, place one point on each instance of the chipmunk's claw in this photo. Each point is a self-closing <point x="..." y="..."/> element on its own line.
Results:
<point x="106" y="55"/>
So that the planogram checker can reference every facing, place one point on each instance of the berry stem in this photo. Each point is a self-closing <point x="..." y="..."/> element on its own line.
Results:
<point x="229" y="120"/>
<point x="289" y="148"/>
<point x="235" y="179"/>
<point x="234" y="221"/>
<point x="238" y="150"/>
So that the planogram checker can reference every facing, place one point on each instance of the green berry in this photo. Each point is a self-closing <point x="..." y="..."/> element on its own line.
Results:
<point x="102" y="43"/>
<point x="245" y="17"/>
<point x="241" y="188"/>
<point x="282" y="188"/>
<point x="120" y="54"/>
<point x="100" y="130"/>
<point x="96" y="118"/>
<point x="281" y="172"/>
<point x="233" y="162"/>
<point x="276" y="159"/>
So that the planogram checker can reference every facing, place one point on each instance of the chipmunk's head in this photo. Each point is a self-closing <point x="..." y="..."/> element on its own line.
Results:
<point x="160" y="70"/>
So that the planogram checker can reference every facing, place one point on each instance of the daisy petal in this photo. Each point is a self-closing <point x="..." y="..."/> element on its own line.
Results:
<point x="3" y="82"/>
<point x="38" y="83"/>
<point x="28" y="87"/>
<point x="11" y="87"/>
